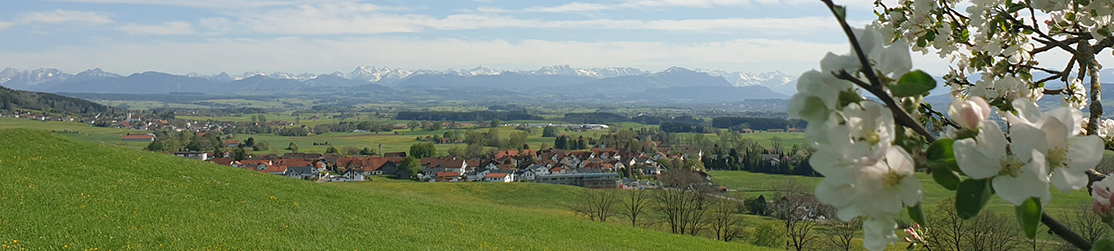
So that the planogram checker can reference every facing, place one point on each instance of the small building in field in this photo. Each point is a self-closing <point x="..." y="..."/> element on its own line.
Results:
<point x="587" y="180"/>
<point x="202" y="156"/>
<point x="138" y="138"/>
<point x="231" y="143"/>
<point x="499" y="177"/>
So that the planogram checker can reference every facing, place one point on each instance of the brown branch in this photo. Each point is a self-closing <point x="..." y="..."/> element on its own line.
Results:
<point x="1063" y="231"/>
<point x="901" y="117"/>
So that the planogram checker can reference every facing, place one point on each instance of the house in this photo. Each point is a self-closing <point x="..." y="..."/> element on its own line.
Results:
<point x="193" y="155"/>
<point x="395" y="155"/>
<point x="437" y="165"/>
<point x="448" y="177"/>
<point x="223" y="161"/>
<point x="369" y="165"/>
<point x="499" y="177"/>
<point x="138" y="138"/>
<point x="301" y="172"/>
<point x="231" y="143"/>
<point x="746" y="130"/>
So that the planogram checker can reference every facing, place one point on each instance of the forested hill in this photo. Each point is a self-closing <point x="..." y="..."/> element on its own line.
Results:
<point x="46" y="102"/>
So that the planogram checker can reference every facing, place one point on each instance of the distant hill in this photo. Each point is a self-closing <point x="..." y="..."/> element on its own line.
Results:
<point x="16" y="99"/>
<point x="144" y="200"/>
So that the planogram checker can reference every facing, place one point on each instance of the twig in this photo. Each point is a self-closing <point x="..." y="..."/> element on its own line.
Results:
<point x="946" y="120"/>
<point x="867" y="70"/>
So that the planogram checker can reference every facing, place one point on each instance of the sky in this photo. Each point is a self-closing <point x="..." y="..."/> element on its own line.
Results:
<point x="324" y="36"/>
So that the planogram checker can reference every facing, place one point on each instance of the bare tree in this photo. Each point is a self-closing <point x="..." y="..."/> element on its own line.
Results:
<point x="841" y="233"/>
<point x="787" y="187"/>
<point x="798" y="214"/>
<point x="634" y="204"/>
<point x="945" y="229"/>
<point x="723" y="219"/>
<point x="986" y="231"/>
<point x="682" y="202"/>
<point x="1087" y="224"/>
<point x="990" y="231"/>
<point x="596" y="204"/>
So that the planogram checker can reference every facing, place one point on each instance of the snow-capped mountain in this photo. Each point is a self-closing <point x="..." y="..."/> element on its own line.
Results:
<point x="566" y="70"/>
<point x="376" y="74"/>
<point x="25" y="79"/>
<point x="478" y="71"/>
<point x="775" y="80"/>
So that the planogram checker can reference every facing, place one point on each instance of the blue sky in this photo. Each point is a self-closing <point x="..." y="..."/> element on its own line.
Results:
<point x="322" y="36"/>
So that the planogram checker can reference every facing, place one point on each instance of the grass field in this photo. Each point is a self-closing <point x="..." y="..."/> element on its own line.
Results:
<point x="62" y="193"/>
<point x="391" y="142"/>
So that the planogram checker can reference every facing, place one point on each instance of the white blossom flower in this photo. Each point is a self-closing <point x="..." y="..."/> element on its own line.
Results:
<point x="1015" y="178"/>
<point x="1055" y="136"/>
<point x="881" y="189"/>
<point x="817" y="95"/>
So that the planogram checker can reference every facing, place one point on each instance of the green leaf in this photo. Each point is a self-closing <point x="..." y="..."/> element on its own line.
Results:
<point x="941" y="150"/>
<point x="1029" y="215"/>
<point x="1103" y="245"/>
<point x="913" y="83"/>
<point x="841" y="12"/>
<point x="1015" y="7"/>
<point x="1083" y="2"/>
<point x="917" y="214"/>
<point x="971" y="196"/>
<point x="942" y="173"/>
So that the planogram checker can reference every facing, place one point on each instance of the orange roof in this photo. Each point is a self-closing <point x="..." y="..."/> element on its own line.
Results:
<point x="229" y="142"/>
<point x="255" y="162"/>
<point x="448" y="174"/>
<point x="293" y="162"/>
<point x="274" y="169"/>
<point x="496" y="175"/>
<point x="222" y="161"/>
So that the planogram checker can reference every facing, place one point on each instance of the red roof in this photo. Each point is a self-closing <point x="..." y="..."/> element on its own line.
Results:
<point x="366" y="164"/>
<point x="448" y="174"/>
<point x="496" y="175"/>
<point x="230" y="142"/>
<point x="293" y="162"/>
<point x="138" y="137"/>
<point x="222" y="161"/>
<point x="254" y="162"/>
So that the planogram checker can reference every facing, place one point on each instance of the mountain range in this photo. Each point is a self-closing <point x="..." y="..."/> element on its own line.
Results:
<point x="54" y="80"/>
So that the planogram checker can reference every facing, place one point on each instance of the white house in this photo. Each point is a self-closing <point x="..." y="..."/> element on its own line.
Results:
<point x="499" y="177"/>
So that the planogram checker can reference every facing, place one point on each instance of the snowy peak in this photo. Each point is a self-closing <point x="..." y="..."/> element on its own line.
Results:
<point x="478" y="71"/>
<point x="14" y="77"/>
<point x="376" y="74"/>
<point x="567" y="70"/>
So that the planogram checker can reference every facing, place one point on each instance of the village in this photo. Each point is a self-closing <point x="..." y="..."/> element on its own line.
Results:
<point x="593" y="168"/>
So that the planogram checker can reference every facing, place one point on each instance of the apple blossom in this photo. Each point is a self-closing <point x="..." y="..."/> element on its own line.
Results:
<point x="968" y="113"/>
<point x="1015" y="178"/>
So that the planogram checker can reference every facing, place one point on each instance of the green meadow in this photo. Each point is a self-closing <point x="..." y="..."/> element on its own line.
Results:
<point x="62" y="193"/>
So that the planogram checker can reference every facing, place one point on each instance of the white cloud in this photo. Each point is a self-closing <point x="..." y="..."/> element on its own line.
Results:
<point x="5" y="25"/>
<point x="571" y="7"/>
<point x="209" y="4"/>
<point x="168" y="28"/>
<point x="369" y="19"/>
<point x="64" y="16"/>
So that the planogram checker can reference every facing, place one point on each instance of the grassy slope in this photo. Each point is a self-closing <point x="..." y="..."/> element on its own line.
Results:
<point x="58" y="192"/>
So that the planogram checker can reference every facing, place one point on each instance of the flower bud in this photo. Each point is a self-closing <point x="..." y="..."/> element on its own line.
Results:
<point x="968" y="113"/>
